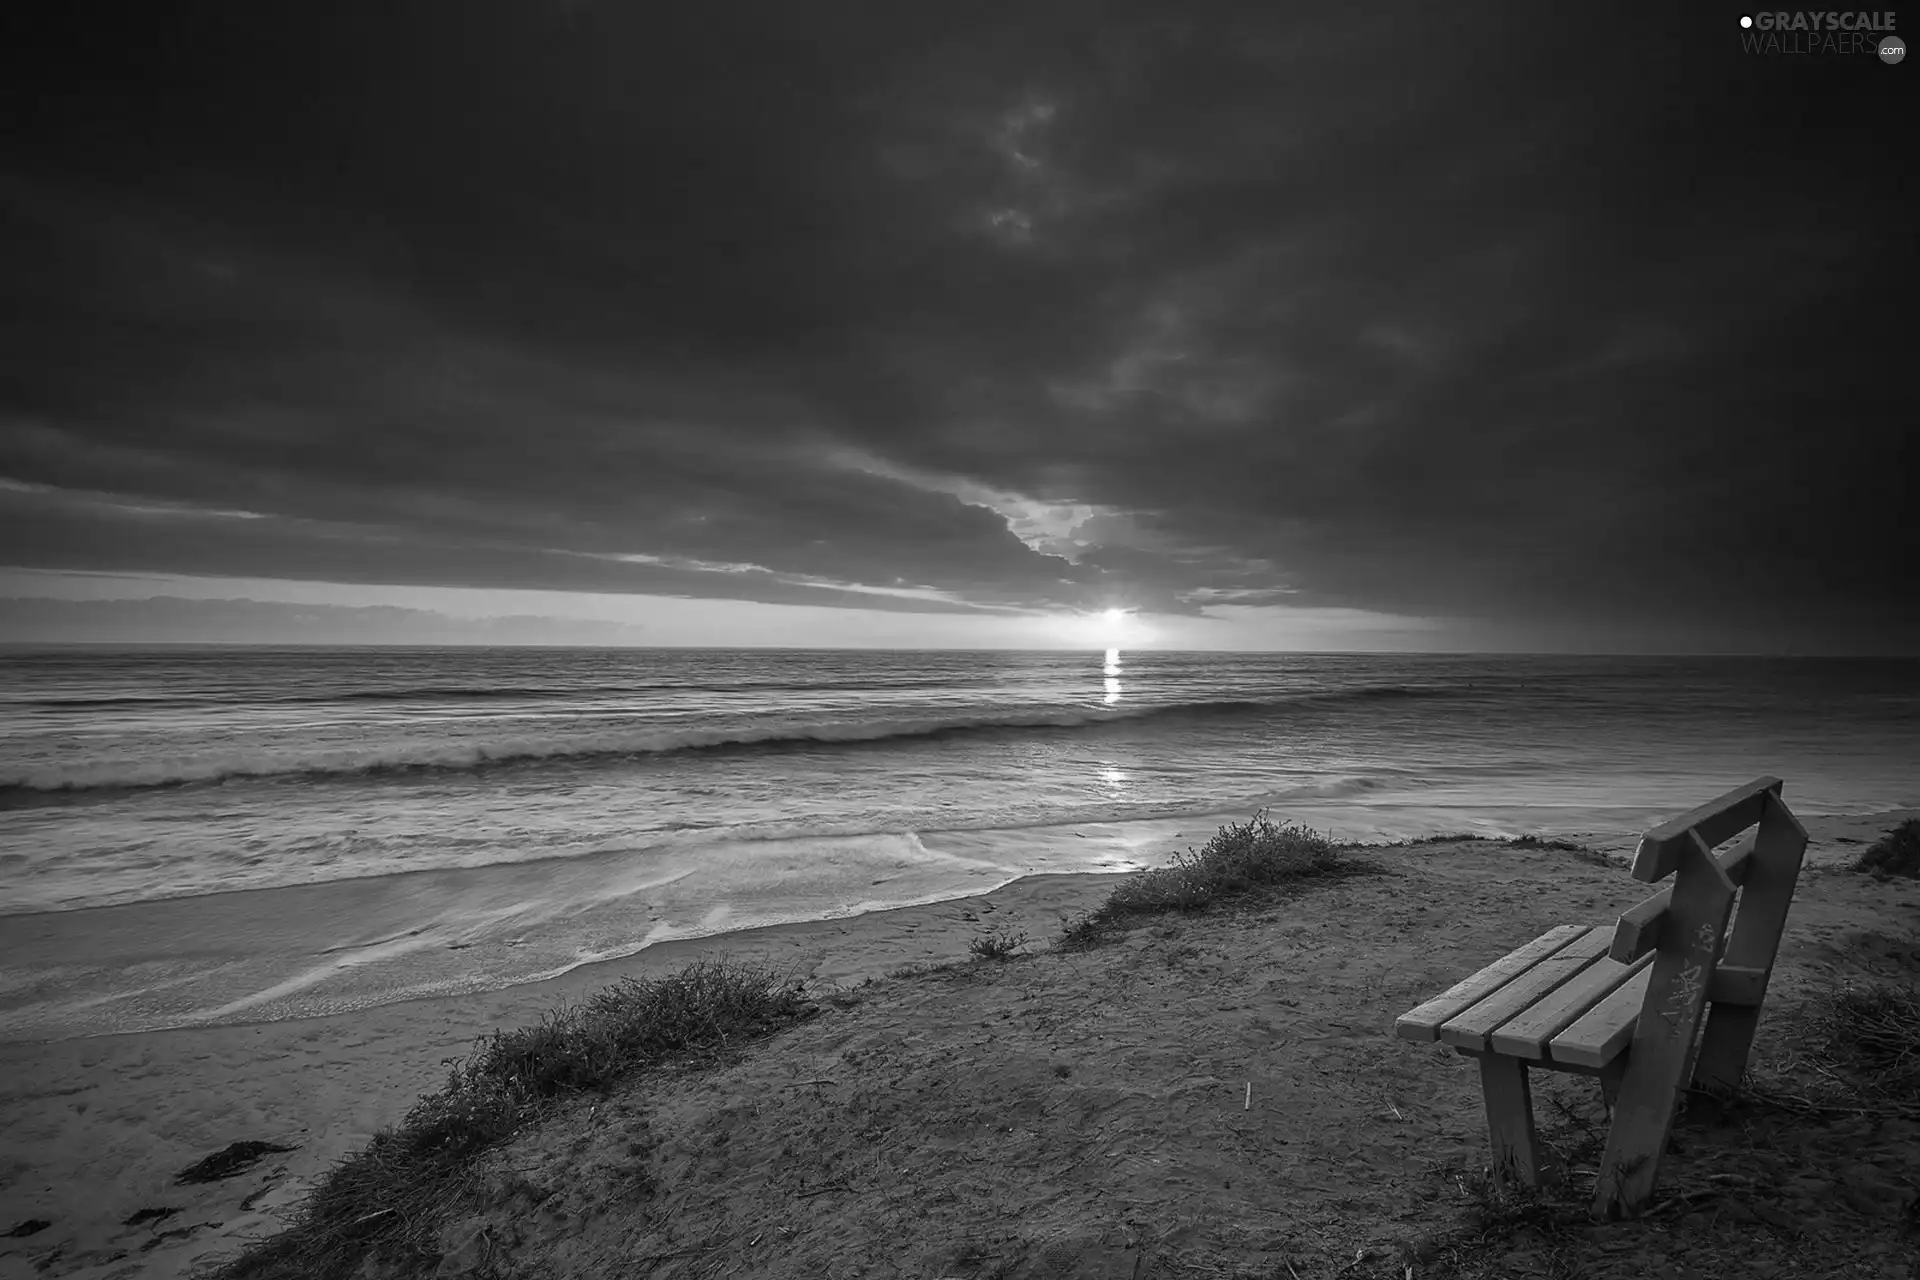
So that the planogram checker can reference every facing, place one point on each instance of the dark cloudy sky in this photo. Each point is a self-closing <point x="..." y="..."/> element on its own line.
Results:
<point x="1298" y="326"/>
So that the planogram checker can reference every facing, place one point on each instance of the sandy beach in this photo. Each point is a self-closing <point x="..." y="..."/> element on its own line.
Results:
<point x="1221" y="1083"/>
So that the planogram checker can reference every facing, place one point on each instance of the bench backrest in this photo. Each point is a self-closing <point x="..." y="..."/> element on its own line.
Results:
<point x="1663" y="849"/>
<point x="1765" y="864"/>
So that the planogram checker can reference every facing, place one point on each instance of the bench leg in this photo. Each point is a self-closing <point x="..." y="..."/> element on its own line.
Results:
<point x="1610" y="1077"/>
<point x="1517" y="1154"/>
<point x="1721" y="1060"/>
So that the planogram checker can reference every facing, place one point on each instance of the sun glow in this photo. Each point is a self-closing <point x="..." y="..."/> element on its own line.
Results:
<point x="1116" y="628"/>
<point x="1102" y="629"/>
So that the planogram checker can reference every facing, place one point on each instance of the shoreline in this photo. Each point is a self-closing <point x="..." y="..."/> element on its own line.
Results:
<point x="336" y="947"/>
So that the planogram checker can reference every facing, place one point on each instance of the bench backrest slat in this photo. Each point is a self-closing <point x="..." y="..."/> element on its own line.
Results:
<point x="1715" y="822"/>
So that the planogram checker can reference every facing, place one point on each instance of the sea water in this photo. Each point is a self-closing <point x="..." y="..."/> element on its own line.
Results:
<point x="193" y="835"/>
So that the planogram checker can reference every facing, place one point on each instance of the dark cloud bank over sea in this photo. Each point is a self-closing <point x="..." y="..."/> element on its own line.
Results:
<point x="1582" y="327"/>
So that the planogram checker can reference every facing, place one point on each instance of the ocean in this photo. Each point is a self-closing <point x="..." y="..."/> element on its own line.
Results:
<point x="201" y="835"/>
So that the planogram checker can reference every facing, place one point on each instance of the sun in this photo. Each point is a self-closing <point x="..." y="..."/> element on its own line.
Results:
<point x="1116" y="628"/>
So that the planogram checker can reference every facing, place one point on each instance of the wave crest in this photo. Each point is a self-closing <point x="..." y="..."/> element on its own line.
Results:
<point x="420" y="757"/>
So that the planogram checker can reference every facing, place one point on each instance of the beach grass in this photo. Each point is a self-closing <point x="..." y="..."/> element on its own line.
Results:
<point x="1584" y="853"/>
<point x="1896" y="853"/>
<point x="389" y="1200"/>
<point x="1873" y="1034"/>
<point x="1240" y="859"/>
<point x="1542" y="842"/>
<point x="998" y="944"/>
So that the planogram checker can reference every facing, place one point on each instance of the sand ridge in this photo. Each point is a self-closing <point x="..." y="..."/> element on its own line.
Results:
<point x="1038" y="1094"/>
<point x="1214" y="1095"/>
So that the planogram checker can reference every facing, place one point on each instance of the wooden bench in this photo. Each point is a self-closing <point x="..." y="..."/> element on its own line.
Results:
<point x="1626" y="1003"/>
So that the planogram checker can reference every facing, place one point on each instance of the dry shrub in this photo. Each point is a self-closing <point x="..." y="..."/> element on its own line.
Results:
<point x="1896" y="853"/>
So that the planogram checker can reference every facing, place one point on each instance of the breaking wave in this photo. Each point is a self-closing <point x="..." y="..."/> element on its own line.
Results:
<point x="406" y="757"/>
<point x="460" y="693"/>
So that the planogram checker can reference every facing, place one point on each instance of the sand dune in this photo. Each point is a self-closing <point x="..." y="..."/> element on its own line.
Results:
<point x="1223" y="1086"/>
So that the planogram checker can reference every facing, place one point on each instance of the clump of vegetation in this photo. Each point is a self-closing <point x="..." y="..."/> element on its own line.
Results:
<point x="1528" y="841"/>
<point x="1897" y="853"/>
<point x="1541" y="842"/>
<point x="389" y="1200"/>
<point x="1083" y="931"/>
<point x="1873" y="1034"/>
<point x="1239" y="859"/>
<point x="1580" y="852"/>
<point x="999" y="944"/>
<point x="914" y="969"/>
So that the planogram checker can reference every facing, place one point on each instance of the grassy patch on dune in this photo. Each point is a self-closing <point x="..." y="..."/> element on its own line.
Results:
<point x="1467" y="837"/>
<point x="997" y="944"/>
<point x="389" y="1200"/>
<point x="1873" y="1036"/>
<point x="1245" y="857"/>
<point x="1240" y="859"/>
<point x="1580" y="852"/>
<point x="1541" y="842"/>
<point x="1897" y="853"/>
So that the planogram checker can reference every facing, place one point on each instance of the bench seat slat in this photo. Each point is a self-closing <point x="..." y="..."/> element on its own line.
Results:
<point x="1470" y="1028"/>
<point x="1425" y="1022"/>
<point x="1599" y="1036"/>
<point x="1527" y="1035"/>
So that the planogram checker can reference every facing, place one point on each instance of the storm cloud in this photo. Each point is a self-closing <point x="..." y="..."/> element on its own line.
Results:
<point x="979" y="308"/>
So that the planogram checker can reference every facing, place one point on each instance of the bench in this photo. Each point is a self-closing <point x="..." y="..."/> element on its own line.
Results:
<point x="1626" y="1003"/>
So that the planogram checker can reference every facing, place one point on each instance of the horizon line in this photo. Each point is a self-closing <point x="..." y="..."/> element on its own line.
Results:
<point x="785" y="648"/>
